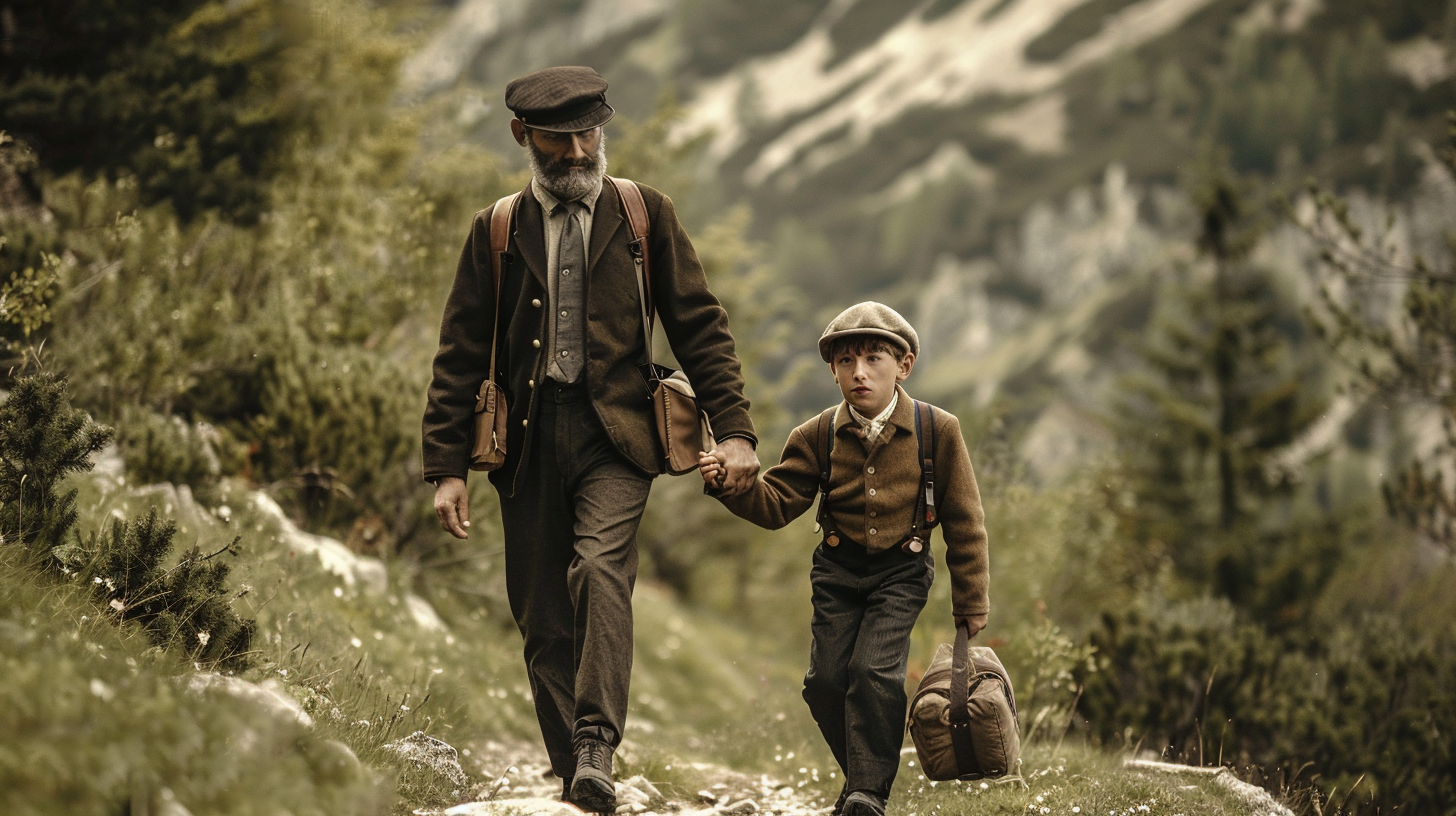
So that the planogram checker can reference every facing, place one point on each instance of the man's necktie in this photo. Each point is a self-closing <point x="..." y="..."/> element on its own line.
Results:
<point x="570" y="295"/>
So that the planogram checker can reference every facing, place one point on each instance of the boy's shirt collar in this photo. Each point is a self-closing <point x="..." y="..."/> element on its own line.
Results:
<point x="872" y="426"/>
<point x="903" y="417"/>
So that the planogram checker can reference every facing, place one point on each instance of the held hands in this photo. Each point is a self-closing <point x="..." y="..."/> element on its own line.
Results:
<point x="452" y="505"/>
<point x="971" y="623"/>
<point x="712" y="469"/>
<point x="730" y="468"/>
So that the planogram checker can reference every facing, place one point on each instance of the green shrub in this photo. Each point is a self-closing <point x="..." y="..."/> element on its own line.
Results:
<point x="1372" y="699"/>
<point x="43" y="439"/>
<point x="186" y="607"/>
<point x="157" y="448"/>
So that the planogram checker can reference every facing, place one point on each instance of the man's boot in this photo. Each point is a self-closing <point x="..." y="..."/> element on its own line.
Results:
<point x="592" y="789"/>
<point x="864" y="803"/>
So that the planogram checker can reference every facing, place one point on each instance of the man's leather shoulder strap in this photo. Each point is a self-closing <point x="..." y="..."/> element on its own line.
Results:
<point x="636" y="209"/>
<point x="501" y="216"/>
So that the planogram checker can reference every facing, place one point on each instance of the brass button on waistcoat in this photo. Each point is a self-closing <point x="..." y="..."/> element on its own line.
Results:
<point x="870" y="470"/>
<point x="872" y="491"/>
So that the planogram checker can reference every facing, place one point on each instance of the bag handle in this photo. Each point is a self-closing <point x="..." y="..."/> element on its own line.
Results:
<point x="960" y="693"/>
<point x="501" y="216"/>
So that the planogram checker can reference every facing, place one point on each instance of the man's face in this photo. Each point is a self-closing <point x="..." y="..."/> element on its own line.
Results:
<point x="867" y="376"/>
<point x="567" y="164"/>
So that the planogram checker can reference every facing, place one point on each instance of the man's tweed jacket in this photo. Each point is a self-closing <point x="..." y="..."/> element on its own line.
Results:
<point x="692" y="318"/>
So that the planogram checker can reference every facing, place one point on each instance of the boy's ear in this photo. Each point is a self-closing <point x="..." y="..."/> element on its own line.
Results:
<point x="906" y="364"/>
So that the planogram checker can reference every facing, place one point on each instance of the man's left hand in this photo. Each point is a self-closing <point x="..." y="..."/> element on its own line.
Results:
<point x="741" y="461"/>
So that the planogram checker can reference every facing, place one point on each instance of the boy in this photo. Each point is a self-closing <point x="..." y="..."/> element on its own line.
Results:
<point x="872" y="571"/>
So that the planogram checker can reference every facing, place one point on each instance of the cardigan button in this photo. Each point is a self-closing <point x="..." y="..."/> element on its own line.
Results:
<point x="531" y="383"/>
<point x="536" y="343"/>
<point x="524" y="422"/>
<point x="536" y="302"/>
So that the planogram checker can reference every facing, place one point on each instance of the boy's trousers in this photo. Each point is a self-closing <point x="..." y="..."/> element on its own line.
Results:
<point x="571" y="563"/>
<point x="864" y="607"/>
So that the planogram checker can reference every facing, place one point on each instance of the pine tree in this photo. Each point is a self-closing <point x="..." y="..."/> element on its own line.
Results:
<point x="186" y="607"/>
<point x="1410" y="358"/>
<point x="43" y="439"/>
<point x="1220" y="390"/>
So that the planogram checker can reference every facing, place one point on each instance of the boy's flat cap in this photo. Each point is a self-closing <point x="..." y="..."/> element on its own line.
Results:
<point x="870" y="318"/>
<point x="564" y="99"/>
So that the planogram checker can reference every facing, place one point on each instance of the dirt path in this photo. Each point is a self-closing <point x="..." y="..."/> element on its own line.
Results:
<point x="528" y="788"/>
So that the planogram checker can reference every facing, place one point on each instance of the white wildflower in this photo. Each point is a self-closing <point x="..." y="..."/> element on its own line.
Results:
<point x="203" y="637"/>
<point x="118" y="605"/>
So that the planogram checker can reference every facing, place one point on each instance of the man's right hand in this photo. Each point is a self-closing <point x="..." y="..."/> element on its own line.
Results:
<point x="452" y="505"/>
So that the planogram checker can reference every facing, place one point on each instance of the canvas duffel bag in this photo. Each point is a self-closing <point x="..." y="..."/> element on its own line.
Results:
<point x="963" y="717"/>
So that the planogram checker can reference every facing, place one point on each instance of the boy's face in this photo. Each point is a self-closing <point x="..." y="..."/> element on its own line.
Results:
<point x="867" y="377"/>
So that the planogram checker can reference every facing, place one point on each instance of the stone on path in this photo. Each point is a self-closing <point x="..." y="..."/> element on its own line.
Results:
<point x="432" y="759"/>
<point x="1254" y="796"/>
<point x="535" y="806"/>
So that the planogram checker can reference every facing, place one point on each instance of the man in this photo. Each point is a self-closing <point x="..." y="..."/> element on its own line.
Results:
<point x="583" y="447"/>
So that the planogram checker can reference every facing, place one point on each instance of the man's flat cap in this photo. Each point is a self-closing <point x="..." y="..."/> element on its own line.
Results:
<point x="870" y="318"/>
<point x="564" y="99"/>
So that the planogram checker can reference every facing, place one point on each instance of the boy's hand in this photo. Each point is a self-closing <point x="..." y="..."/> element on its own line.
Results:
<point x="973" y="624"/>
<point x="711" y="466"/>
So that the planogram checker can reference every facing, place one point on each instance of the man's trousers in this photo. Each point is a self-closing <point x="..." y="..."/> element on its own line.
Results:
<point x="864" y="608"/>
<point x="571" y="564"/>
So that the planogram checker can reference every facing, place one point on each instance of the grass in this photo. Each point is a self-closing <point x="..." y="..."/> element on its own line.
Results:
<point x="1065" y="780"/>
<point x="97" y="720"/>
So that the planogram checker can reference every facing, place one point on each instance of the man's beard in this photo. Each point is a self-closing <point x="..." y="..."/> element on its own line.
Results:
<point x="566" y="179"/>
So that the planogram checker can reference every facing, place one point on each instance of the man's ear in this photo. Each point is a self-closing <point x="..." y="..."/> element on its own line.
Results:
<point x="906" y="364"/>
<point x="518" y="130"/>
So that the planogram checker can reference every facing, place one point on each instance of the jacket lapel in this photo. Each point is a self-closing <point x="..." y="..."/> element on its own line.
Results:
<point x="531" y="235"/>
<point x="606" y="218"/>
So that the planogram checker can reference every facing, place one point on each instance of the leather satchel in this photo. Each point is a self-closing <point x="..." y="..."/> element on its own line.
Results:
<point x="683" y="428"/>
<point x="488" y="452"/>
<point x="963" y="716"/>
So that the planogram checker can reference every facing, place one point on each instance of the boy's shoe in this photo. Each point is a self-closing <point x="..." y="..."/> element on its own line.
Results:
<point x="863" y="803"/>
<point x="591" y="788"/>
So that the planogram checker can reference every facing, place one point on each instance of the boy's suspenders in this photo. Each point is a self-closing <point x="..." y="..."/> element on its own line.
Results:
<point x="925" y="502"/>
<point x="826" y="435"/>
<point x="925" y="518"/>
